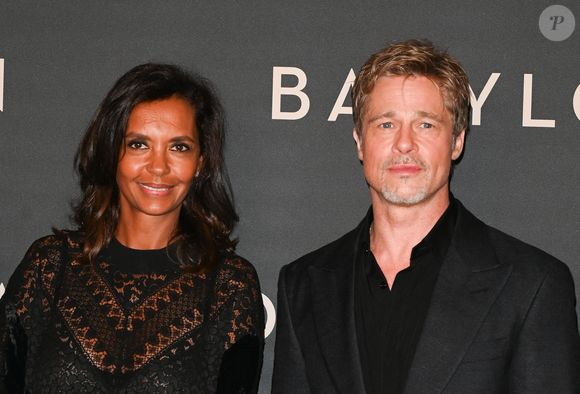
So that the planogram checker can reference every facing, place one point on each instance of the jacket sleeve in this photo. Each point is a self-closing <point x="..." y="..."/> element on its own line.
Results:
<point x="546" y="358"/>
<point x="289" y="368"/>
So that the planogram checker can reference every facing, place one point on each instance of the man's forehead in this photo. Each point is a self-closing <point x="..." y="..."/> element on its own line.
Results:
<point x="402" y="91"/>
<point x="403" y="80"/>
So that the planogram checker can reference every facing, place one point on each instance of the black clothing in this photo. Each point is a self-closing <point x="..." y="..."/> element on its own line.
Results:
<point x="132" y="322"/>
<point x="502" y="319"/>
<point x="389" y="321"/>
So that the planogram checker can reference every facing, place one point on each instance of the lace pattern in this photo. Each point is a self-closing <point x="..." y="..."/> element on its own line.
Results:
<point x="85" y="328"/>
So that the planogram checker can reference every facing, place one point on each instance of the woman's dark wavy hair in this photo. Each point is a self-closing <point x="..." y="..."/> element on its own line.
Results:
<point x="207" y="215"/>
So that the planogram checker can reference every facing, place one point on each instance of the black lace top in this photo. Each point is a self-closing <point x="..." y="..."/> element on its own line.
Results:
<point x="132" y="322"/>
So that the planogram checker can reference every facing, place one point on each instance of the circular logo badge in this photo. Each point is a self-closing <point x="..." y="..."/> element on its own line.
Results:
<point x="557" y="23"/>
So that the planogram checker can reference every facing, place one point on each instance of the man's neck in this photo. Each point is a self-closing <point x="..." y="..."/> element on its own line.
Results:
<point x="397" y="229"/>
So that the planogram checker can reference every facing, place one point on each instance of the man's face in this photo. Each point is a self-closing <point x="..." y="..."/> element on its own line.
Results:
<point x="407" y="145"/>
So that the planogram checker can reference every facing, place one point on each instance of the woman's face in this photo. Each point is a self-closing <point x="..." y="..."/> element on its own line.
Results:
<point x="159" y="159"/>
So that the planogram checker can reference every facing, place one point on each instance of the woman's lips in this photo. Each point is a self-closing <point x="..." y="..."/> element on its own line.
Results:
<point x="155" y="188"/>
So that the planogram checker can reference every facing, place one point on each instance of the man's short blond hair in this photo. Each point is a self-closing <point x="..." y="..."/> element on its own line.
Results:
<point x="415" y="58"/>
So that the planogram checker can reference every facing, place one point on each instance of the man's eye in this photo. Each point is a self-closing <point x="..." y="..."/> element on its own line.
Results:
<point x="387" y="125"/>
<point x="137" y="145"/>
<point x="180" y="147"/>
<point x="426" y="125"/>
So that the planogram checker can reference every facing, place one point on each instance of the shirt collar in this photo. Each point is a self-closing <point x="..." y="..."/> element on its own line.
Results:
<point x="436" y="241"/>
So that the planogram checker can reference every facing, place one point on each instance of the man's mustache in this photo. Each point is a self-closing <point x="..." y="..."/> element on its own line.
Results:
<point x="405" y="160"/>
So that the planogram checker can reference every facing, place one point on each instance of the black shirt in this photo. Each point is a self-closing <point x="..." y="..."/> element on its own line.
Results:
<point x="389" y="321"/>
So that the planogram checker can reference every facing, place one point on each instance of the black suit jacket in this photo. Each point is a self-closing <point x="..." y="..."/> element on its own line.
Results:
<point x="502" y="319"/>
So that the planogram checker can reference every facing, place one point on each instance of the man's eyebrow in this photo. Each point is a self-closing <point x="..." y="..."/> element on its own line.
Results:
<point x="430" y="115"/>
<point x="387" y="114"/>
<point x="422" y="114"/>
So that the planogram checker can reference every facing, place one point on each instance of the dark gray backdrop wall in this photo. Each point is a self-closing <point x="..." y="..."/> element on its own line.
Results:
<point x="297" y="181"/>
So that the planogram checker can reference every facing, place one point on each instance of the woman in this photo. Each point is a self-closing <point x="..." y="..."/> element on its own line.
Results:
<point x="147" y="295"/>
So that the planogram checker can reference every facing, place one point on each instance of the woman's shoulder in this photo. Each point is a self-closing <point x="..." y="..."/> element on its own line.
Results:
<point x="50" y="247"/>
<point x="238" y="293"/>
<point x="237" y="272"/>
<point x="42" y="252"/>
<point x="43" y="259"/>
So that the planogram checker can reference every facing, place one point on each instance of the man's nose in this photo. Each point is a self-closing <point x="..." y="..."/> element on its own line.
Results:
<point x="404" y="140"/>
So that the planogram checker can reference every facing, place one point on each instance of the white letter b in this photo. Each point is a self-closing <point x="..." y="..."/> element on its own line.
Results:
<point x="278" y="91"/>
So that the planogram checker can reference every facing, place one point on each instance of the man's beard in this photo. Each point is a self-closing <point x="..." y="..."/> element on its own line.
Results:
<point x="396" y="199"/>
<point x="393" y="196"/>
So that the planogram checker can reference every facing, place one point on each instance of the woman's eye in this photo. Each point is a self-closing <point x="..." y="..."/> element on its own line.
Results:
<point x="137" y="145"/>
<point x="180" y="147"/>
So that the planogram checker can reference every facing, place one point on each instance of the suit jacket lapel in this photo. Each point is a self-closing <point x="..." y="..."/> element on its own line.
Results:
<point x="333" y="305"/>
<point x="469" y="281"/>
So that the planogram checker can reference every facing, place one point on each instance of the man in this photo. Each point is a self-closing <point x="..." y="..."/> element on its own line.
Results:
<point x="422" y="296"/>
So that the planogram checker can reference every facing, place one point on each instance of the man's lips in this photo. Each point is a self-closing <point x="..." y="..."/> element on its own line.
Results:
<point x="405" y="169"/>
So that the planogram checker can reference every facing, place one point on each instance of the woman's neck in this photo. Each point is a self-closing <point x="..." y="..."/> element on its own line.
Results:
<point x="145" y="232"/>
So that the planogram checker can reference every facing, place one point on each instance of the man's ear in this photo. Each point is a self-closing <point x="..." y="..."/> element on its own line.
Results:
<point x="358" y="140"/>
<point x="457" y="147"/>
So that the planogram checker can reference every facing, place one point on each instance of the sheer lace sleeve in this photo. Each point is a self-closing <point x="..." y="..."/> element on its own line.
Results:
<point x="12" y="348"/>
<point x="242" y="361"/>
<point x="28" y="297"/>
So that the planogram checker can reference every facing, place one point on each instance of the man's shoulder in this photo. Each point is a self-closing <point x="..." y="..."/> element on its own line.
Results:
<point x="337" y="252"/>
<point x="524" y="258"/>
